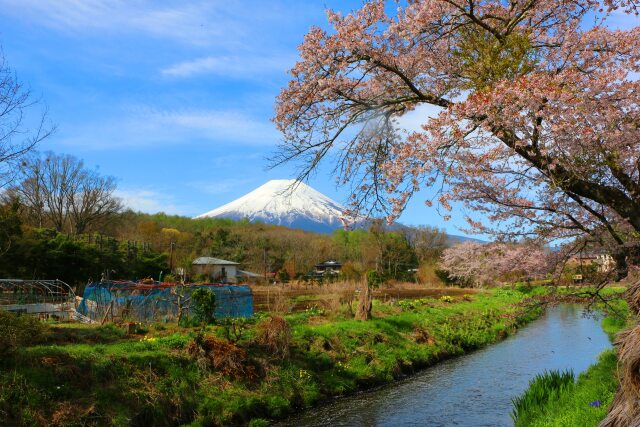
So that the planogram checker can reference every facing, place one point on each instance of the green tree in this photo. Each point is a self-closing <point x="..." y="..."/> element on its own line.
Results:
<point x="10" y="223"/>
<point x="203" y="302"/>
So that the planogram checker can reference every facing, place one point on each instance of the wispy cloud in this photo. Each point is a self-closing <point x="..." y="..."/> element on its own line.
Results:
<point x="142" y="127"/>
<point x="237" y="66"/>
<point x="619" y="20"/>
<point x="218" y="187"/>
<point x="191" y="23"/>
<point x="413" y="120"/>
<point x="151" y="201"/>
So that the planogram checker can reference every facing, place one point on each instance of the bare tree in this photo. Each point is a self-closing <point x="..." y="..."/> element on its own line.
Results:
<point x="428" y="242"/>
<point x="60" y="192"/>
<point x="93" y="201"/>
<point x="17" y="137"/>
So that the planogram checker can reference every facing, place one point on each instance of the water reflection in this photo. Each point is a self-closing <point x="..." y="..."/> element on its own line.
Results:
<point x="476" y="389"/>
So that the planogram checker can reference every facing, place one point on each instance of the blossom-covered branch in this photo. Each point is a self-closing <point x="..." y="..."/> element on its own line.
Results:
<point x="539" y="115"/>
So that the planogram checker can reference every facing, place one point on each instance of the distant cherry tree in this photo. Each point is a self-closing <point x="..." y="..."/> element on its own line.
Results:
<point x="477" y="264"/>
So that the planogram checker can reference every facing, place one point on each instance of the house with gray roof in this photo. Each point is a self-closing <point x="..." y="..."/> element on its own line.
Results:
<point x="218" y="270"/>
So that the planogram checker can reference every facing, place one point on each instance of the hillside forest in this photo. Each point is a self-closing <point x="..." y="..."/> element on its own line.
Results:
<point x="62" y="220"/>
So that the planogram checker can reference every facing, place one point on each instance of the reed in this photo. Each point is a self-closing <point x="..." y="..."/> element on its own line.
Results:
<point x="542" y="389"/>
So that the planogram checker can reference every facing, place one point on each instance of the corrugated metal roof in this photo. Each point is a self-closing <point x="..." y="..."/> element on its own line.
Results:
<point x="207" y="260"/>
<point x="243" y="273"/>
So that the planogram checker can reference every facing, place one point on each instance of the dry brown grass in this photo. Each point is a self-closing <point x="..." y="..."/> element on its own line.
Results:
<point x="422" y="336"/>
<point x="68" y="413"/>
<point x="625" y="409"/>
<point x="223" y="356"/>
<point x="274" y="334"/>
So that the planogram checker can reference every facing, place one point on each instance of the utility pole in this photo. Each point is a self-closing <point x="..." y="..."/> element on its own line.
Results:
<point x="264" y="261"/>
<point x="171" y="246"/>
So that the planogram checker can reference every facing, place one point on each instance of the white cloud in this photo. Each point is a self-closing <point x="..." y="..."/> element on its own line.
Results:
<point x="222" y="186"/>
<point x="201" y="22"/>
<point x="619" y="20"/>
<point x="143" y="127"/>
<point x="151" y="201"/>
<point x="238" y="66"/>
<point x="413" y="120"/>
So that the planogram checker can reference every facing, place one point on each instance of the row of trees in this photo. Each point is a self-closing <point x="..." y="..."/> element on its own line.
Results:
<point x="263" y="248"/>
<point x="46" y="253"/>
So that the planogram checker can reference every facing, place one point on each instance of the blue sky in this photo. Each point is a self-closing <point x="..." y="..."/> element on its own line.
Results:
<point x="172" y="98"/>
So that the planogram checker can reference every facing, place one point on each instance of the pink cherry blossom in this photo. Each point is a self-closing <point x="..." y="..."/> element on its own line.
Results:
<point x="539" y="123"/>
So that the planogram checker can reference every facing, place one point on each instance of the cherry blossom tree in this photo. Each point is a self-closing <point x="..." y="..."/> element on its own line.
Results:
<point x="539" y="118"/>
<point x="538" y="123"/>
<point x="477" y="264"/>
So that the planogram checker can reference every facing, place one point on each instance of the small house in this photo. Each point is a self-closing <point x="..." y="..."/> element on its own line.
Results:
<point x="602" y="261"/>
<point x="328" y="268"/>
<point x="218" y="270"/>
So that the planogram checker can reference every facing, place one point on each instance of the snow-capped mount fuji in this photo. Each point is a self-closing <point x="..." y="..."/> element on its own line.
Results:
<point x="277" y="203"/>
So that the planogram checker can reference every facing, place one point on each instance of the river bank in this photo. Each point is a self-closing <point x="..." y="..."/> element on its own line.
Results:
<point x="169" y="375"/>
<point x="475" y="389"/>
<point x="586" y="402"/>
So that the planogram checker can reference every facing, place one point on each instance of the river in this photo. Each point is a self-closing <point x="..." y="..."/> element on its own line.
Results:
<point x="475" y="389"/>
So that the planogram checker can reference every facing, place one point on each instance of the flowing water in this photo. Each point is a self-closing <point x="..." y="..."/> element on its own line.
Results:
<point x="475" y="389"/>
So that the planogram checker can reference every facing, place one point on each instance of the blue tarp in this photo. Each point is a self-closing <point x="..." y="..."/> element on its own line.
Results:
<point x="155" y="302"/>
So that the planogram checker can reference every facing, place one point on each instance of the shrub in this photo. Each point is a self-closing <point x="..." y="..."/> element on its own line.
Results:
<point x="227" y="358"/>
<point x="374" y="279"/>
<point x="17" y="331"/>
<point x="443" y="275"/>
<point x="350" y="271"/>
<point x="235" y="328"/>
<point x="200" y="278"/>
<point x="274" y="334"/>
<point x="204" y="305"/>
<point x="283" y="276"/>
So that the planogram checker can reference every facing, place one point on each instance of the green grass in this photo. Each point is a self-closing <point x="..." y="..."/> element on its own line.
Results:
<point x="575" y="406"/>
<point x="86" y="375"/>
<point x="584" y="403"/>
<point x="543" y="388"/>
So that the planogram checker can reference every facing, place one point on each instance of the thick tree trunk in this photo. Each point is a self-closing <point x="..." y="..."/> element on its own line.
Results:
<point x="622" y="267"/>
<point x="364" y="305"/>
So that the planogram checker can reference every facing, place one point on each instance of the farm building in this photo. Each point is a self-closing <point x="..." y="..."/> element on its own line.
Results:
<point x="601" y="260"/>
<point x="218" y="270"/>
<point x="328" y="268"/>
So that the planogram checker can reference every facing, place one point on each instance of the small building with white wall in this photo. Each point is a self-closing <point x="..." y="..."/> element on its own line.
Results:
<point x="218" y="270"/>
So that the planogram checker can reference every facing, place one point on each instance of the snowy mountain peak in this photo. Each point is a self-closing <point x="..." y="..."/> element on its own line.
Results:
<point x="284" y="202"/>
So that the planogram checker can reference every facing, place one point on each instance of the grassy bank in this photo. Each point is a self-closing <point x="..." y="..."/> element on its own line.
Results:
<point x="169" y="375"/>
<point x="583" y="403"/>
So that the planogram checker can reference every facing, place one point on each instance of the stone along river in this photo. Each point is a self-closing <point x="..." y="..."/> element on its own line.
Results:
<point x="475" y="389"/>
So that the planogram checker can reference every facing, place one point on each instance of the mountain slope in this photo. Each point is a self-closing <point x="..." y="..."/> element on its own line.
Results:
<point x="276" y="203"/>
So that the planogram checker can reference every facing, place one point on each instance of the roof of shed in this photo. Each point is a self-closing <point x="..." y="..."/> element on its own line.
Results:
<point x="243" y="273"/>
<point x="207" y="260"/>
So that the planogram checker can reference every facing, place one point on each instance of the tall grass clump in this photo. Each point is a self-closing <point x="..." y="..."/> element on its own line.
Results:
<point x="17" y="330"/>
<point x="542" y="389"/>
